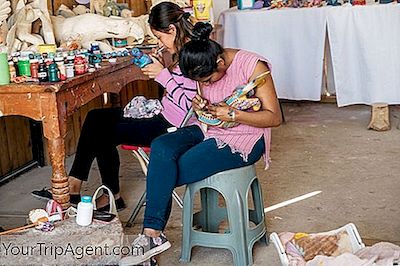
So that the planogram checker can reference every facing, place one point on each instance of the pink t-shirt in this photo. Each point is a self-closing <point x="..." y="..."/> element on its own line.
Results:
<point x="179" y="92"/>
<point x="241" y="138"/>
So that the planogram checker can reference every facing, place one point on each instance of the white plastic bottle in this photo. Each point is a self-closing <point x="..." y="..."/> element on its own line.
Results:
<point x="84" y="214"/>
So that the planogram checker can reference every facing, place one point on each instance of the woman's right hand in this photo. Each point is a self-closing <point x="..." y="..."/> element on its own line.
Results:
<point x="199" y="103"/>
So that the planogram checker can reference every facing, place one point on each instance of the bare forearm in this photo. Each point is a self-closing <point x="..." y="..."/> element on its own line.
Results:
<point x="264" y="118"/>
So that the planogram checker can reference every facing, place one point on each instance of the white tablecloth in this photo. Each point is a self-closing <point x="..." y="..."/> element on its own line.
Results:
<point x="365" y="50"/>
<point x="364" y="44"/>
<point x="293" y="41"/>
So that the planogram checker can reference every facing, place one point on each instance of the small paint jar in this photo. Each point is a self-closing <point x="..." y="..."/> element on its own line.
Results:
<point x="70" y="71"/>
<point x="34" y="67"/>
<point x="95" y="48"/>
<point x="42" y="72"/>
<point x="24" y="66"/>
<point x="61" y="67"/>
<point x="53" y="73"/>
<point x="12" y="70"/>
<point x="80" y="65"/>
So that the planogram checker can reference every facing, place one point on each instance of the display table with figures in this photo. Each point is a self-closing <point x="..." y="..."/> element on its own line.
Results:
<point x="52" y="103"/>
<point x="363" y="43"/>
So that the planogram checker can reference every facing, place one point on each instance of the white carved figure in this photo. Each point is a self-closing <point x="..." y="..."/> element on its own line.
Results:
<point x="5" y="10"/>
<point x="92" y="27"/>
<point x="142" y="21"/>
<point x="126" y="13"/>
<point x="80" y="10"/>
<point x="20" y="35"/>
<point x="64" y="11"/>
<point x="96" y="6"/>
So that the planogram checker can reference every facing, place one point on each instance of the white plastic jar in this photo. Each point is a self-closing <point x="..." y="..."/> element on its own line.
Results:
<point x="84" y="214"/>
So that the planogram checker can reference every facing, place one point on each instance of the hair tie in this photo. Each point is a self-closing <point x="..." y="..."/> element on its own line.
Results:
<point x="186" y="15"/>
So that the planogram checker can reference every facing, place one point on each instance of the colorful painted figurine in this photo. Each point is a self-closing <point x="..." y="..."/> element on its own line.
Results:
<point x="139" y="58"/>
<point x="277" y="4"/>
<point x="240" y="100"/>
<point x="267" y="3"/>
<point x="333" y="3"/>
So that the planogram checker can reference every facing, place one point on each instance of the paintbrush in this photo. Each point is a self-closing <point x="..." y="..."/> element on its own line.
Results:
<point x="160" y="50"/>
<point x="39" y="221"/>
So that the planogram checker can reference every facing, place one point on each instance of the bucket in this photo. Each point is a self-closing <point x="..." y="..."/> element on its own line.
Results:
<point x="4" y="70"/>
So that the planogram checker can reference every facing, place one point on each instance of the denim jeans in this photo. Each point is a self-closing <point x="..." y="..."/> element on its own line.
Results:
<point x="180" y="158"/>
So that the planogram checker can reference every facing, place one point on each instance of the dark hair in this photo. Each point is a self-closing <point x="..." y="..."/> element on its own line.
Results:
<point x="166" y="13"/>
<point x="198" y="58"/>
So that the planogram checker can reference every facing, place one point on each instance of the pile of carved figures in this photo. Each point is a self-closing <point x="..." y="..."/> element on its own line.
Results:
<point x="26" y="24"/>
<point x="271" y="4"/>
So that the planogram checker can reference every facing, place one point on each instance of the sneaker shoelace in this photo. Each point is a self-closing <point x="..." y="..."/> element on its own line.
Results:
<point x="139" y="243"/>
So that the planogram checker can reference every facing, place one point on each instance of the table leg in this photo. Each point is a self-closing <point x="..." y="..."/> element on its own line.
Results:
<point x="54" y="130"/>
<point x="59" y="178"/>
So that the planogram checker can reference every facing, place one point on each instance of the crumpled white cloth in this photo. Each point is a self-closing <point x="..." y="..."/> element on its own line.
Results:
<point x="140" y="107"/>
<point x="380" y="254"/>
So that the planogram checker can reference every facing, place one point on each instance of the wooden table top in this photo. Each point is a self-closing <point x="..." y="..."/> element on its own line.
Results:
<point x="37" y="87"/>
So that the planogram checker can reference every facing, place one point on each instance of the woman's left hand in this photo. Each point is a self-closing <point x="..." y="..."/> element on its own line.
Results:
<point x="152" y="70"/>
<point x="220" y="111"/>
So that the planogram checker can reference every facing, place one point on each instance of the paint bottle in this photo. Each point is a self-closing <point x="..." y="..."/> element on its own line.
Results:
<point x="69" y="66"/>
<point x="34" y="66"/>
<point x="15" y="56"/>
<point x="12" y="70"/>
<point x="24" y="66"/>
<point x="95" y="48"/>
<point x="61" y="67"/>
<point x="53" y="72"/>
<point x="69" y="70"/>
<point x="42" y="72"/>
<point x="80" y="65"/>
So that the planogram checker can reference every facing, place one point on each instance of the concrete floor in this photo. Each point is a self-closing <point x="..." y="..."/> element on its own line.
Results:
<point x="320" y="147"/>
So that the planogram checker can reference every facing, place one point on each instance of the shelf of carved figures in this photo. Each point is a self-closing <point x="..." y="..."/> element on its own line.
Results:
<point x="69" y="28"/>
<point x="74" y="28"/>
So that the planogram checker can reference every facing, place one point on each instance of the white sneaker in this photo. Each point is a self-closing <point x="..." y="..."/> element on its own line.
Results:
<point x="145" y="247"/>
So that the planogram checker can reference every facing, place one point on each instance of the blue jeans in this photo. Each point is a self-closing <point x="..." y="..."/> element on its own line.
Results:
<point x="180" y="158"/>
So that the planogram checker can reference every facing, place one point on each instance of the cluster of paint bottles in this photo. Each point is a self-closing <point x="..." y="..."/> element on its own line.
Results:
<point x="48" y="67"/>
<point x="59" y="66"/>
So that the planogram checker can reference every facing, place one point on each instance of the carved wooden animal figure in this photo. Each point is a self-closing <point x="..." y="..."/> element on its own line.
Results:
<point x="240" y="99"/>
<point x="20" y="35"/>
<point x="92" y="27"/>
<point x="5" y="10"/>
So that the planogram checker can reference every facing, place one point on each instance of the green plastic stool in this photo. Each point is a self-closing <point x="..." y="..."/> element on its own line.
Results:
<point x="234" y="185"/>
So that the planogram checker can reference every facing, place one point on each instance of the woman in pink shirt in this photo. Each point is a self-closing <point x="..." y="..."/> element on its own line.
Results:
<point x="192" y="153"/>
<point x="105" y="129"/>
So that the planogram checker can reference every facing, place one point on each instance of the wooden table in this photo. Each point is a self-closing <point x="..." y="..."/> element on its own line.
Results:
<point x="52" y="103"/>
